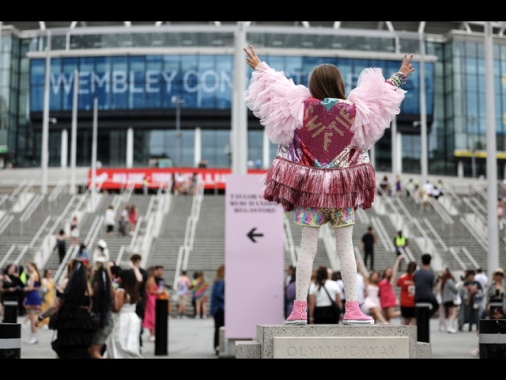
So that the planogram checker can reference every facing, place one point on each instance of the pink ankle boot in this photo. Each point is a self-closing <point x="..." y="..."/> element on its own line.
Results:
<point x="298" y="316"/>
<point x="354" y="316"/>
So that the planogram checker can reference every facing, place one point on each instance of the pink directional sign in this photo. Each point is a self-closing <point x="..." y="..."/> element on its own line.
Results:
<point x="254" y="258"/>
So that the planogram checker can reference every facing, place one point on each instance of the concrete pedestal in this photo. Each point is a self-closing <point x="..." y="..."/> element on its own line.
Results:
<point x="333" y="342"/>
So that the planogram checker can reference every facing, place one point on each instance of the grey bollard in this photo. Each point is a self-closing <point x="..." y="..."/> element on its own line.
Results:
<point x="10" y="311"/>
<point x="10" y="341"/>
<point x="161" y="327"/>
<point x="492" y="338"/>
<point x="422" y="313"/>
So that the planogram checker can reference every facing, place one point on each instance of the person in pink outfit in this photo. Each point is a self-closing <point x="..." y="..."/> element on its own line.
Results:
<point x="322" y="169"/>
<point x="388" y="298"/>
<point x="152" y="293"/>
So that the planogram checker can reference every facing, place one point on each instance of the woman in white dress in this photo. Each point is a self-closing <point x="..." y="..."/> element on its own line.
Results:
<point x="124" y="342"/>
<point x="372" y="304"/>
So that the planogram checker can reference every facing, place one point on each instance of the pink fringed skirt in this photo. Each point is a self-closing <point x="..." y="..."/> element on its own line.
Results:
<point x="291" y="184"/>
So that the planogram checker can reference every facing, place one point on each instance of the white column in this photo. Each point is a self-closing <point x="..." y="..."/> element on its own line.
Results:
<point x="130" y="148"/>
<point x="239" y="115"/>
<point x="493" y="226"/>
<point x="266" y="161"/>
<point x="73" y="136"/>
<point x="64" y="149"/>
<point x="460" y="169"/>
<point x="423" y="115"/>
<point x="393" y="147"/>
<point x="398" y="155"/>
<point x="197" y="148"/>
<point x="94" y="146"/>
<point x="44" y="154"/>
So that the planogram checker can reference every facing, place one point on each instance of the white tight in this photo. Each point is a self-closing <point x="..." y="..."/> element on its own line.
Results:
<point x="307" y="253"/>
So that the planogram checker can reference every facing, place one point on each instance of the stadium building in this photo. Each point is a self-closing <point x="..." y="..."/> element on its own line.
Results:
<point x="157" y="95"/>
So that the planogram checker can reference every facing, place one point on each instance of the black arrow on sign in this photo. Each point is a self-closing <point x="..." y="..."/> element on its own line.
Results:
<point x="252" y="234"/>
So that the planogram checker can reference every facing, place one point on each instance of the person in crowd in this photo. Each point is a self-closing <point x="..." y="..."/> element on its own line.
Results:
<point x="133" y="217"/>
<point x="160" y="280"/>
<point x="152" y="292"/>
<point x="398" y="186"/>
<point x="388" y="298"/>
<point x="115" y="271"/>
<point x="483" y="279"/>
<point x="218" y="305"/>
<point x="372" y="303"/>
<point x="101" y="253"/>
<point x="386" y="191"/>
<point x="32" y="301"/>
<point x="183" y="293"/>
<point x="409" y="187"/>
<point x="123" y="221"/>
<point x="201" y="295"/>
<point x="110" y="220"/>
<point x="496" y="294"/>
<point x="23" y="276"/>
<point x="102" y="301"/>
<point x="123" y="342"/>
<point x="1" y="291"/>
<point x="142" y="275"/>
<point x="12" y="290"/>
<point x="425" y="280"/>
<point x="74" y="231"/>
<point x="194" y="279"/>
<point x="61" y="244"/>
<point x="194" y="183"/>
<point x="472" y="299"/>
<point x="425" y="193"/>
<point x="48" y="287"/>
<point x="407" y="294"/>
<point x="400" y="243"/>
<point x="290" y="292"/>
<point x="368" y="240"/>
<point x="145" y="185"/>
<point x="288" y="112"/>
<point x="83" y="254"/>
<point x="448" y="298"/>
<point x="321" y="295"/>
<point x="70" y="315"/>
<point x="336" y="276"/>
<point x="436" y="193"/>
<point x="500" y="212"/>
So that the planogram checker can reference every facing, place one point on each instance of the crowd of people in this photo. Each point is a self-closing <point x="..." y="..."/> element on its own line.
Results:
<point x="100" y="309"/>
<point x="390" y="294"/>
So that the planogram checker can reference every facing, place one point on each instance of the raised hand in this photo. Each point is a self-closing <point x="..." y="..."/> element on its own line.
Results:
<point x="252" y="58"/>
<point x="406" y="66"/>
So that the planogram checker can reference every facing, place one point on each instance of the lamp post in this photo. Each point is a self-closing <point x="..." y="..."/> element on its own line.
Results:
<point x="177" y="101"/>
<point x="473" y="161"/>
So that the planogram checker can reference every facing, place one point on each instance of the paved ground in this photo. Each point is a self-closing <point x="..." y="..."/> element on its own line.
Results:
<point x="193" y="338"/>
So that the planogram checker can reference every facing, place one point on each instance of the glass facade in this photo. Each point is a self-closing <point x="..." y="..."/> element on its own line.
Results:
<point x="202" y="81"/>
<point x="136" y="84"/>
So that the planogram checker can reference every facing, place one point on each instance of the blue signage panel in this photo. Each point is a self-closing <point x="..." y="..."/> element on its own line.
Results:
<point x="202" y="81"/>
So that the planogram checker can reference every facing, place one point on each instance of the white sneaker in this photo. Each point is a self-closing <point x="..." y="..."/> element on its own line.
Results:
<point x="32" y="340"/>
<point x="451" y="331"/>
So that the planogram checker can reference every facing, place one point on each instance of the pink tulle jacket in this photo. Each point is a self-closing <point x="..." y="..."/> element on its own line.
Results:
<point x="323" y="155"/>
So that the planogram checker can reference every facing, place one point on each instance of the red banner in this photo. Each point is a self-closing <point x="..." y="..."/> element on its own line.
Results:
<point x="117" y="179"/>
